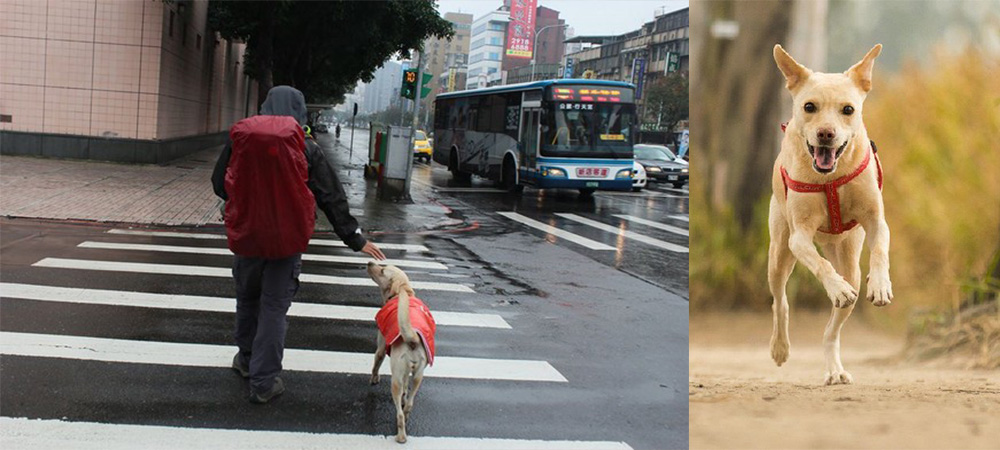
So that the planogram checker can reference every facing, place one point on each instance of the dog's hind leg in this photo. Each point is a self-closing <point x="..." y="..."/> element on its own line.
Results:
<point x="844" y="256"/>
<point x="780" y="263"/>
<point x="398" y="391"/>
<point x="418" y="377"/>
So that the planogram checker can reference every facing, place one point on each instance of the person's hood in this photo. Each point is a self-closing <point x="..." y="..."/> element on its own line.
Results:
<point x="285" y="101"/>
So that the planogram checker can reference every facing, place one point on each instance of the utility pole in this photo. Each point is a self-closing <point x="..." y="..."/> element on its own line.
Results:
<point x="413" y="127"/>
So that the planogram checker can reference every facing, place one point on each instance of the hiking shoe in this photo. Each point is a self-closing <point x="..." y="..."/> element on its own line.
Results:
<point x="242" y="369"/>
<point x="277" y="389"/>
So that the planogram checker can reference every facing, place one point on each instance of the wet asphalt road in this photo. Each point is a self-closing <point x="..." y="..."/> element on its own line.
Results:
<point x="613" y="324"/>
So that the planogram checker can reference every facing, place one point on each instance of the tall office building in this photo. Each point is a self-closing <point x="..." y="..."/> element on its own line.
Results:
<point x="487" y="48"/>
<point x="443" y="54"/>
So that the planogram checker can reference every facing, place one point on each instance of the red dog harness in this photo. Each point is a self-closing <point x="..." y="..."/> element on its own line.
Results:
<point x="420" y="318"/>
<point x="832" y="197"/>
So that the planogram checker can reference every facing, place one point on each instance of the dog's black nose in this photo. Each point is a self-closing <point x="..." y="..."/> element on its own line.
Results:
<point x="826" y="135"/>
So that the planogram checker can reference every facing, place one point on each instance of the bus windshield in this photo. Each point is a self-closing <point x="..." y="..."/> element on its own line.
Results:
<point x="587" y="130"/>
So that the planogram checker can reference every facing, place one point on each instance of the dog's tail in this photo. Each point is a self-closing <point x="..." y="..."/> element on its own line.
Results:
<point x="403" y="314"/>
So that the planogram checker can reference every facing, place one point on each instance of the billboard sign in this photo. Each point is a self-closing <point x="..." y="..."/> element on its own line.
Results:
<point x="521" y="28"/>
<point x="568" y="73"/>
<point x="638" y="74"/>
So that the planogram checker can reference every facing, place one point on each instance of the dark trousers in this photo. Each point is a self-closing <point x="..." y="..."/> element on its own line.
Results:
<point x="264" y="291"/>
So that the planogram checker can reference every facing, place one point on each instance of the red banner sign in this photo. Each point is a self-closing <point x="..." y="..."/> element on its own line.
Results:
<point x="521" y="29"/>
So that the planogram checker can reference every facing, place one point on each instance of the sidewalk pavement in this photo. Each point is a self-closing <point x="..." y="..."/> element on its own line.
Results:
<point x="179" y="193"/>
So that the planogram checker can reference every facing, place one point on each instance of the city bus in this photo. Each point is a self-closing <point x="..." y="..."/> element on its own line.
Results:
<point x="566" y="133"/>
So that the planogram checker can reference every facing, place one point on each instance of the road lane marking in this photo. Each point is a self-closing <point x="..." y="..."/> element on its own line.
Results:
<point x="591" y="244"/>
<point x="206" y="355"/>
<point x="225" y="251"/>
<point x="205" y="271"/>
<point x="628" y="234"/>
<point x="20" y="432"/>
<point x="224" y="305"/>
<point x="650" y="223"/>
<point x="321" y="242"/>
<point x="680" y="217"/>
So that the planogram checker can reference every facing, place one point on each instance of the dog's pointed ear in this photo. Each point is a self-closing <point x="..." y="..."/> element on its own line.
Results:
<point x="795" y="73"/>
<point x="861" y="73"/>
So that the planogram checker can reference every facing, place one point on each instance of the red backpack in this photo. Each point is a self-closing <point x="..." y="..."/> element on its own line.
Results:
<point x="271" y="211"/>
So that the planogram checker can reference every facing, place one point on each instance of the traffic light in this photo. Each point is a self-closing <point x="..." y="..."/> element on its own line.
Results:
<point x="409" y="87"/>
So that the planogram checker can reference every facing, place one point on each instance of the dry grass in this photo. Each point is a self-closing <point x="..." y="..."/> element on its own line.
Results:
<point x="938" y="134"/>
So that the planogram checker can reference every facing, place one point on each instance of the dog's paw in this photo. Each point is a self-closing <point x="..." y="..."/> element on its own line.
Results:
<point x="841" y="293"/>
<point x="373" y="380"/>
<point x="779" y="350"/>
<point x="401" y="438"/>
<point x="879" y="290"/>
<point x="842" y="377"/>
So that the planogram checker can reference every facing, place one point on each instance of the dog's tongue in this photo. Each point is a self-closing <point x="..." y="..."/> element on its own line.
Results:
<point x="823" y="157"/>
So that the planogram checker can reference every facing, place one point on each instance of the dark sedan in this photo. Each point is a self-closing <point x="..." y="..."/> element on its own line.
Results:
<point x="662" y="166"/>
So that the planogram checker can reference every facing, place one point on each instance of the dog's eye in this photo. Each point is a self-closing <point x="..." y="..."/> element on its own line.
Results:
<point x="810" y="107"/>
<point x="848" y="110"/>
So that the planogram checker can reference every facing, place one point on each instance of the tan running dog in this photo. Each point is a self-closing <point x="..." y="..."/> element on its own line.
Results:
<point x="406" y="332"/>
<point x="827" y="180"/>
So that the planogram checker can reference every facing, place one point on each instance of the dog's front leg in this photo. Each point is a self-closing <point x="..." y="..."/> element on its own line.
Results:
<point x="840" y="292"/>
<point x="879" y="286"/>
<point x="379" y="356"/>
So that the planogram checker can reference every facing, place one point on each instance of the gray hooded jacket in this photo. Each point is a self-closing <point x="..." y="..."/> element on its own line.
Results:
<point x="323" y="181"/>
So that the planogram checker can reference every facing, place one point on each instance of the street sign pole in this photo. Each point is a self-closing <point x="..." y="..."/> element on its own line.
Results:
<point x="350" y="159"/>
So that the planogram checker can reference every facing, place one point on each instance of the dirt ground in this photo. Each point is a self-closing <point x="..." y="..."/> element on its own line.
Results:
<point x="740" y="399"/>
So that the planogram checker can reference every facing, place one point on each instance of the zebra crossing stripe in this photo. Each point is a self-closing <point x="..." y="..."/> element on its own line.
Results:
<point x="680" y="217"/>
<point x="224" y="305"/>
<point x="591" y="244"/>
<point x="650" y="223"/>
<point x="225" y="251"/>
<point x="205" y="271"/>
<point x="20" y="432"/>
<point x="320" y="242"/>
<point x="221" y="356"/>
<point x="628" y="234"/>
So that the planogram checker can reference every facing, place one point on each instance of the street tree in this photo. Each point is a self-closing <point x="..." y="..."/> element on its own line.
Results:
<point x="667" y="101"/>
<point x="324" y="48"/>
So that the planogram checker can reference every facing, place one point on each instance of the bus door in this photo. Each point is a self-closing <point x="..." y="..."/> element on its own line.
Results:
<point x="531" y="113"/>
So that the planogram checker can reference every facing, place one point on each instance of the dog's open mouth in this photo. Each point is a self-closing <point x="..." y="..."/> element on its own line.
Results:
<point x="825" y="158"/>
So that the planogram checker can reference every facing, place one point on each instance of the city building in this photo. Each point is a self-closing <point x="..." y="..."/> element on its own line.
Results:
<point x="611" y="57"/>
<point x="548" y="49"/>
<point x="441" y="55"/>
<point x="383" y="91"/>
<point x="486" y="49"/>
<point x="135" y="81"/>
<point x="455" y="73"/>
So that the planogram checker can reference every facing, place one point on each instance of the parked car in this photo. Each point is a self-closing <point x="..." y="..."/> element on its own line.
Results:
<point x="421" y="147"/>
<point x="320" y="127"/>
<point x="638" y="176"/>
<point x="661" y="165"/>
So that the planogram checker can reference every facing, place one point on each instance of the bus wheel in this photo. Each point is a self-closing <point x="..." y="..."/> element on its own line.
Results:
<point x="456" y="174"/>
<point x="508" y="177"/>
<point x="587" y="192"/>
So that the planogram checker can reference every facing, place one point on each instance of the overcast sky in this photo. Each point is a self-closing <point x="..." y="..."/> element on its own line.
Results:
<point x="587" y="17"/>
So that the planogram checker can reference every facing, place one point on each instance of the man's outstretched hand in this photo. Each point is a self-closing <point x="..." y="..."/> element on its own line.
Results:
<point x="372" y="250"/>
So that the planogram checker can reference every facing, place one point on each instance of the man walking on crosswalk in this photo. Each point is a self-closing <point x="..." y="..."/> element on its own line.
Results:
<point x="272" y="177"/>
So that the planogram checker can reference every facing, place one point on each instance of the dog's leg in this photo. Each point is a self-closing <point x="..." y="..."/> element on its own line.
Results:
<point x="379" y="356"/>
<point x="397" y="398"/>
<point x="418" y="377"/>
<point x="780" y="263"/>
<point x="879" y="286"/>
<point x="844" y="255"/>
<point x="840" y="292"/>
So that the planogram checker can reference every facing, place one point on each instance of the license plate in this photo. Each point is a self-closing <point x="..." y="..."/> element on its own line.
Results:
<point x="591" y="172"/>
<point x="672" y="177"/>
<point x="593" y="184"/>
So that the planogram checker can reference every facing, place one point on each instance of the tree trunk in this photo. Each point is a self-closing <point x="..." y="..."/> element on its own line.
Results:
<point x="738" y="112"/>
<point x="264" y="56"/>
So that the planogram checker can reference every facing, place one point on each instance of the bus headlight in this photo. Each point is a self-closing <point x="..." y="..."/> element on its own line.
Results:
<point x="553" y="172"/>
<point x="624" y="173"/>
